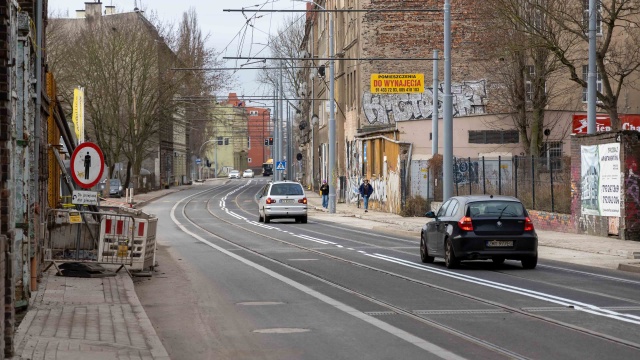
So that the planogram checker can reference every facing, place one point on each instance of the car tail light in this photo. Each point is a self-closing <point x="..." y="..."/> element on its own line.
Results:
<point x="528" y="224"/>
<point x="303" y="201"/>
<point x="271" y="201"/>
<point x="465" y="224"/>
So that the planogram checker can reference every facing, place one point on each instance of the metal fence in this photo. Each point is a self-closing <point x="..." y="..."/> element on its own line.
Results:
<point x="86" y="236"/>
<point x="541" y="183"/>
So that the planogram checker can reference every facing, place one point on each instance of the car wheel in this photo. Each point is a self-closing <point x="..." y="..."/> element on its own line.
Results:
<point x="266" y="219"/>
<point x="303" y="219"/>
<point x="260" y="218"/>
<point x="450" y="259"/>
<point x="530" y="262"/>
<point x="424" y="252"/>
<point x="498" y="260"/>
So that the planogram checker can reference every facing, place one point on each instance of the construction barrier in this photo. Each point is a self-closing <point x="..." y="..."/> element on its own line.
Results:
<point x="122" y="237"/>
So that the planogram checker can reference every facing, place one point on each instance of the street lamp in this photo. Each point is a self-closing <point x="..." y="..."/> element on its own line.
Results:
<point x="332" y="117"/>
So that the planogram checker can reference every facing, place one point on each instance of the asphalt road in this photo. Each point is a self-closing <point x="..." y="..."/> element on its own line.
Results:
<point x="229" y="287"/>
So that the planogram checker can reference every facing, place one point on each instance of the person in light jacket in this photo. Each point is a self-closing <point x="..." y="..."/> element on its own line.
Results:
<point x="366" y="190"/>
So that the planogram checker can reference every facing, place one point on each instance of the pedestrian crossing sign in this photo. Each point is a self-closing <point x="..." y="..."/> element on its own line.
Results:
<point x="280" y="165"/>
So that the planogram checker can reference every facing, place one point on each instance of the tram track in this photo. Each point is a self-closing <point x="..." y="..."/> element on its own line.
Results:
<point x="391" y="307"/>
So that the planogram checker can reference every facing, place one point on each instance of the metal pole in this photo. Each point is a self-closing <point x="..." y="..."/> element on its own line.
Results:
<point x="332" y="122"/>
<point x="457" y="169"/>
<point x="484" y="179"/>
<point x="280" y="121"/>
<point x="499" y="175"/>
<point x="553" y="208"/>
<point x="533" y="183"/>
<point x="274" y="147"/>
<point x="434" y="116"/>
<point x="469" y="174"/>
<point x="593" y="70"/>
<point x="516" y="174"/>
<point x="447" y="118"/>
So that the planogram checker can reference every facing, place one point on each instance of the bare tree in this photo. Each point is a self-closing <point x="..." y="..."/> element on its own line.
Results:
<point x="124" y="66"/>
<point x="527" y="73"/>
<point x="286" y="44"/>
<point x="566" y="38"/>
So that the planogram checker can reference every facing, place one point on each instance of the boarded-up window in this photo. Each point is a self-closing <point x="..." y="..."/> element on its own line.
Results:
<point x="494" y="137"/>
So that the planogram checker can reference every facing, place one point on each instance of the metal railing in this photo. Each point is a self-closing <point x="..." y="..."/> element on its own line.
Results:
<point x="541" y="183"/>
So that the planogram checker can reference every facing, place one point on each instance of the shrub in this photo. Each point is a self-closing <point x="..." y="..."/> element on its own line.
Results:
<point x="415" y="206"/>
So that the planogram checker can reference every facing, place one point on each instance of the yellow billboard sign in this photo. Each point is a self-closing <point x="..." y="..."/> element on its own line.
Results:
<point x="397" y="83"/>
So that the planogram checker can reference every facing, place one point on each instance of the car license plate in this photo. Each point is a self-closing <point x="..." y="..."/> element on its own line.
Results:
<point x="497" y="243"/>
<point x="287" y="200"/>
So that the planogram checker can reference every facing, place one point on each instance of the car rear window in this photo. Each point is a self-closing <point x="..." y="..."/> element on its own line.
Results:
<point x="287" y="189"/>
<point x="495" y="208"/>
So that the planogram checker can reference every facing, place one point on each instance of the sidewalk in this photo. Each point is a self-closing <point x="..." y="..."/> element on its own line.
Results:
<point x="90" y="318"/>
<point x="573" y="248"/>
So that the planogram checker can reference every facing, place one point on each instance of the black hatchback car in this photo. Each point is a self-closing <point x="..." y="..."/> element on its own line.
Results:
<point x="480" y="228"/>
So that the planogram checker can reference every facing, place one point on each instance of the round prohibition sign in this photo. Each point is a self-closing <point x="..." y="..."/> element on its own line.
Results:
<point x="87" y="165"/>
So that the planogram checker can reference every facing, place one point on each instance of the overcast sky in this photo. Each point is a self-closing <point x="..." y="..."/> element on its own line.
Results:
<point x="226" y="28"/>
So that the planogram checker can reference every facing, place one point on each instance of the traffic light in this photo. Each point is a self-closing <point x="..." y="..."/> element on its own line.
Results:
<point x="266" y="142"/>
<point x="270" y="141"/>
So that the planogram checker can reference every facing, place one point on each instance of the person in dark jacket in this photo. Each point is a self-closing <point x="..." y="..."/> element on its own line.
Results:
<point x="366" y="190"/>
<point x="324" y="190"/>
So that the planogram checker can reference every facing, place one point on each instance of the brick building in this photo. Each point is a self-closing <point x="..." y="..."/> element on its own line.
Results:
<point x="378" y="135"/>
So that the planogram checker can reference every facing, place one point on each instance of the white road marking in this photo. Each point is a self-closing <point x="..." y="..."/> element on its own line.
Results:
<point x="421" y="343"/>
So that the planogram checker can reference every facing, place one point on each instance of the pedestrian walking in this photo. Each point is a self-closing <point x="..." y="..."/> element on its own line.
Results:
<point x="366" y="190"/>
<point x="324" y="190"/>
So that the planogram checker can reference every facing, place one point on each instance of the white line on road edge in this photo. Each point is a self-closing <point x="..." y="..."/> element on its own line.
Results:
<point x="421" y="343"/>
<point x="588" y="308"/>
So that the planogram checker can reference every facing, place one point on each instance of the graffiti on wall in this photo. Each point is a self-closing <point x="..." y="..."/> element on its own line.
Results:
<point x="468" y="99"/>
<point x="632" y="196"/>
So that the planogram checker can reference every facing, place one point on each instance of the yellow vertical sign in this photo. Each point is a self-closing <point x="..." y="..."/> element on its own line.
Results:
<point x="78" y="113"/>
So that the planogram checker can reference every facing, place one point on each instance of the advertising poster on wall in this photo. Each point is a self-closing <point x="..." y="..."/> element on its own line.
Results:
<point x="609" y="194"/>
<point x="600" y="179"/>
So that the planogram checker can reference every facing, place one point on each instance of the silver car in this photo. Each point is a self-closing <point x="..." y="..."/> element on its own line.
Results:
<point x="234" y="174"/>
<point x="282" y="199"/>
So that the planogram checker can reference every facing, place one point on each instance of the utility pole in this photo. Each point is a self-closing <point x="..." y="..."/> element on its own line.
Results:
<point x="332" y="122"/>
<point x="434" y="116"/>
<point x="592" y="76"/>
<point x="447" y="118"/>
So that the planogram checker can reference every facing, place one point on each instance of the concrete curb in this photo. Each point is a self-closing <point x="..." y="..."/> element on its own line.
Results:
<point x="630" y="267"/>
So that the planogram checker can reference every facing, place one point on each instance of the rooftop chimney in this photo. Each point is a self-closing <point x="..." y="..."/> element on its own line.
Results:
<point x="93" y="9"/>
<point x="80" y="14"/>
<point x="109" y="10"/>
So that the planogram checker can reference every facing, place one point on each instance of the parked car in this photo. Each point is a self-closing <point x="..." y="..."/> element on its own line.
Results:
<point x="234" y="174"/>
<point x="282" y="199"/>
<point x="115" y="187"/>
<point x="248" y="173"/>
<point x="480" y="228"/>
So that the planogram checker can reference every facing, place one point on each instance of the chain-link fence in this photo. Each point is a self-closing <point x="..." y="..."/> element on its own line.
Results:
<point x="541" y="183"/>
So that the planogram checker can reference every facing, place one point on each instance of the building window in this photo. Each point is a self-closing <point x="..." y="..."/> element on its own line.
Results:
<point x="552" y="152"/>
<point x="248" y="142"/>
<point x="585" y="77"/>
<point x="530" y="72"/>
<point x="220" y="140"/>
<point x="253" y="113"/>
<point x="585" y="16"/>
<point x="494" y="137"/>
<point x="226" y="141"/>
<point x="249" y="160"/>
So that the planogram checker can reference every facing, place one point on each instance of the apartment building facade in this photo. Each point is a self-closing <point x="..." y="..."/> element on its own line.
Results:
<point x="379" y="134"/>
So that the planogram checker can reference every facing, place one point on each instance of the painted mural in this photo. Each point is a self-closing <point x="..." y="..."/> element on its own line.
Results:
<point x="468" y="99"/>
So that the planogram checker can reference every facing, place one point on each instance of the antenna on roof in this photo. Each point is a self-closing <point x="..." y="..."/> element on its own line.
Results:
<point x="135" y="4"/>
